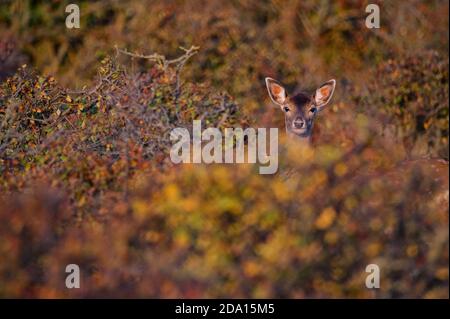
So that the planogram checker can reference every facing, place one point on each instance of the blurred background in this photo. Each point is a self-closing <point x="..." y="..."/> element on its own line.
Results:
<point x="86" y="179"/>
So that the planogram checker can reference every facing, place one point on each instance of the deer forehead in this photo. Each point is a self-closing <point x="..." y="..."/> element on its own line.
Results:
<point x="300" y="102"/>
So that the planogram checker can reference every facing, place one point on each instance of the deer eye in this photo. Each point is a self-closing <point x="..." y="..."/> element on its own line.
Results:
<point x="313" y="110"/>
<point x="286" y="109"/>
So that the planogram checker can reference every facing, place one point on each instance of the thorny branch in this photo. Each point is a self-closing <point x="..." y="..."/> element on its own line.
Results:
<point x="165" y="63"/>
<point x="161" y="59"/>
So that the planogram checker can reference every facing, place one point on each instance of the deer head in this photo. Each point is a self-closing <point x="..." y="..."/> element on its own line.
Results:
<point x="301" y="109"/>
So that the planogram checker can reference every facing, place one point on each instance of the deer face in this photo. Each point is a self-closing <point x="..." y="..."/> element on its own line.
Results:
<point x="301" y="109"/>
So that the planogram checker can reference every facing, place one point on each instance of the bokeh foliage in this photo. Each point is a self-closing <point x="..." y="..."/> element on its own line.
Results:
<point x="85" y="176"/>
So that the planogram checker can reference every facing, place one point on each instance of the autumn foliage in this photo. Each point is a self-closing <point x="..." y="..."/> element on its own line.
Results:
<point x="86" y="178"/>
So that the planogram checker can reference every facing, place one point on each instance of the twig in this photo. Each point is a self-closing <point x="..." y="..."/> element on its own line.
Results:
<point x="164" y="62"/>
<point x="161" y="59"/>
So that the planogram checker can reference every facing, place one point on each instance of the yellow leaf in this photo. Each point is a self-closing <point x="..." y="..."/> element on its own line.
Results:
<point x="412" y="250"/>
<point x="251" y="268"/>
<point x="331" y="237"/>
<point x="172" y="192"/>
<point x="326" y="218"/>
<point x="442" y="273"/>
<point x="373" y="249"/>
<point x="140" y="209"/>
<point x="340" y="169"/>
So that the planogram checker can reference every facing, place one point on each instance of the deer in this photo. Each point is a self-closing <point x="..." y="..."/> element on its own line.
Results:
<point x="301" y="110"/>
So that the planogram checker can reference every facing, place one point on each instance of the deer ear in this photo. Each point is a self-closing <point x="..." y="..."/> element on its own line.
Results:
<point x="324" y="93"/>
<point x="276" y="92"/>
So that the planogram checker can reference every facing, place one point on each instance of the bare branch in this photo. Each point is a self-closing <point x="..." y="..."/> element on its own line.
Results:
<point x="161" y="59"/>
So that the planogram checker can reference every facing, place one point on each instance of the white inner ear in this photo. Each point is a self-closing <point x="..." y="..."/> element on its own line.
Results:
<point x="276" y="92"/>
<point x="322" y="99"/>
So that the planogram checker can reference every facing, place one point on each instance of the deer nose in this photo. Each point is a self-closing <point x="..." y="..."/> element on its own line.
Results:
<point x="299" y="123"/>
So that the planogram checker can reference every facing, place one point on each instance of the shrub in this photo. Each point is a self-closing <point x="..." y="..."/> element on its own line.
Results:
<point x="410" y="94"/>
<point x="92" y="140"/>
<point x="239" y="234"/>
<point x="85" y="176"/>
<point x="85" y="180"/>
